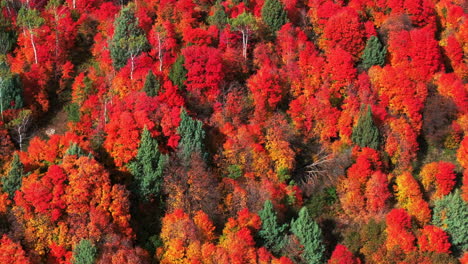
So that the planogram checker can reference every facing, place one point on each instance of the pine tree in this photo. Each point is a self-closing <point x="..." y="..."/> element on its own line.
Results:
<point x="274" y="15"/>
<point x="178" y="73"/>
<point x="74" y="149"/>
<point x="73" y="111"/>
<point x="14" y="178"/>
<point x="365" y="133"/>
<point x="271" y="233"/>
<point x="192" y="136"/>
<point x="11" y="94"/>
<point x="152" y="85"/>
<point x="7" y="35"/>
<point x="84" y="253"/>
<point x="310" y="236"/>
<point x="148" y="168"/>
<point x="451" y="214"/>
<point x="374" y="53"/>
<point x="129" y="39"/>
<point x="219" y="18"/>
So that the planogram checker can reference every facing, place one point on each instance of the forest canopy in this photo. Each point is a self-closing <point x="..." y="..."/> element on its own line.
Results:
<point x="233" y="132"/>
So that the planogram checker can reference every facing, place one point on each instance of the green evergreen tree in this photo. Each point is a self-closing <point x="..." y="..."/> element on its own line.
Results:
<point x="219" y="18"/>
<point x="178" y="73"/>
<point x="14" y="178"/>
<point x="148" y="168"/>
<point x="310" y="236"/>
<point x="152" y="85"/>
<point x="192" y="136"/>
<point x="365" y="133"/>
<point x="274" y="15"/>
<point x="271" y="233"/>
<point x="74" y="149"/>
<point x="129" y="39"/>
<point x="11" y="93"/>
<point x="84" y="253"/>
<point x="7" y="35"/>
<point x="73" y="111"/>
<point x="374" y="53"/>
<point x="451" y="214"/>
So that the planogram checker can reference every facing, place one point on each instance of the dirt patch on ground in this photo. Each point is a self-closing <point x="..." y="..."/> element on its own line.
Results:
<point x="56" y="125"/>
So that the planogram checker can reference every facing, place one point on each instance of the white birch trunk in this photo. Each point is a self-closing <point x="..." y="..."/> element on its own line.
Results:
<point x="1" y="97"/>
<point x="132" y="57"/>
<point x="33" y="45"/>
<point x="160" y="53"/>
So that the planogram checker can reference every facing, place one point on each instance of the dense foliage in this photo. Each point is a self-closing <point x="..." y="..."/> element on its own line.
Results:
<point x="232" y="132"/>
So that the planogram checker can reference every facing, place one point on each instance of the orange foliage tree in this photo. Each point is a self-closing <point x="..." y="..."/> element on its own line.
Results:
<point x="438" y="175"/>
<point x="12" y="252"/>
<point x="365" y="189"/>
<point x="433" y="239"/>
<point x="398" y="231"/>
<point x="409" y="196"/>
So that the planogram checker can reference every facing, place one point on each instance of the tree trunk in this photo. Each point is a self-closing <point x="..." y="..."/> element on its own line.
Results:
<point x="20" y="138"/>
<point x="132" y="57"/>
<point x="160" y="53"/>
<point x="33" y="45"/>
<point x="1" y="97"/>
<point x="244" y="44"/>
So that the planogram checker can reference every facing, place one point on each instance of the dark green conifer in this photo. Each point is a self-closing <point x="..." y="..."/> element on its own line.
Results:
<point x="219" y="18"/>
<point x="152" y="85"/>
<point x="129" y="39"/>
<point x="271" y="233"/>
<point x="84" y="253"/>
<point x="73" y="111"/>
<point x="7" y="35"/>
<point x="451" y="214"/>
<point x="74" y="149"/>
<point x="310" y="236"/>
<point x="14" y="178"/>
<point x="148" y="168"/>
<point x="11" y="94"/>
<point x="192" y="136"/>
<point x="274" y="15"/>
<point x="365" y="133"/>
<point x="374" y="53"/>
<point x="178" y="73"/>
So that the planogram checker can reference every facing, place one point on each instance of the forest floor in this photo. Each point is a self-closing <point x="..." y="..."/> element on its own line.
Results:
<point x="56" y="123"/>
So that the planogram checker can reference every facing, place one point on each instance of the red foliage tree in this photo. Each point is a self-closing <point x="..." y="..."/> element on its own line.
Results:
<point x="441" y="174"/>
<point x="365" y="189"/>
<point x="342" y="255"/>
<point x="6" y="146"/>
<point x="205" y="72"/>
<point x="44" y="194"/>
<point x="339" y="70"/>
<point x="377" y="192"/>
<point x="424" y="53"/>
<point x="291" y="41"/>
<point x="433" y="239"/>
<point x="421" y="12"/>
<point x="163" y="41"/>
<point x="127" y="119"/>
<point x="59" y="255"/>
<point x="398" y="233"/>
<point x="344" y="30"/>
<point x="11" y="252"/>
